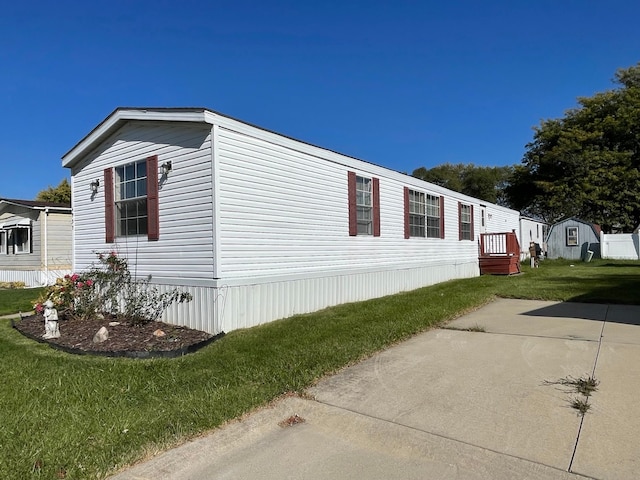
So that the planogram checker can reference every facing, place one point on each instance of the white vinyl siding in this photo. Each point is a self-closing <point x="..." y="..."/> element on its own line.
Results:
<point x="185" y="247"/>
<point x="266" y="231"/>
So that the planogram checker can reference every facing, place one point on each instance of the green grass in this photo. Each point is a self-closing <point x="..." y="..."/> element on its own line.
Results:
<point x="91" y="416"/>
<point x="18" y="300"/>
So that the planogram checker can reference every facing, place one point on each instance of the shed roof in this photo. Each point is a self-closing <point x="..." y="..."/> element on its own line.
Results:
<point x="594" y="226"/>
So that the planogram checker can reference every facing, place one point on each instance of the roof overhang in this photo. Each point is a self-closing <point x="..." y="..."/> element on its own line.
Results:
<point x="122" y="115"/>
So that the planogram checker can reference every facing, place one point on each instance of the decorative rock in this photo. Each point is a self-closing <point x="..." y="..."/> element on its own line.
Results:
<point x="114" y="324"/>
<point x="101" y="335"/>
<point x="159" y="333"/>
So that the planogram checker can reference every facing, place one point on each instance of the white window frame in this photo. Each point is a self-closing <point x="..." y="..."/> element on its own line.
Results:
<point x="364" y="205"/>
<point x="23" y="247"/>
<point x="417" y="214"/>
<point x="131" y="205"/>
<point x="572" y="236"/>
<point x="3" y="241"/>
<point x="465" y="222"/>
<point x="434" y="216"/>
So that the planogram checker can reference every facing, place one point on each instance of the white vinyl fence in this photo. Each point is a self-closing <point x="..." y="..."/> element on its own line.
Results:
<point x="620" y="246"/>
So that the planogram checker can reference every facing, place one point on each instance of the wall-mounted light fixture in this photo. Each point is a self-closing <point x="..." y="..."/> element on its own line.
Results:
<point x="94" y="186"/>
<point x="165" y="168"/>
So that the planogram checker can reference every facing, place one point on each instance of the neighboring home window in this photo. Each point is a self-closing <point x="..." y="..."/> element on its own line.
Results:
<point x="572" y="236"/>
<point x="131" y="200"/>
<point x="465" y="214"/>
<point x="3" y="241"/>
<point x="22" y="240"/>
<point x="364" y="205"/>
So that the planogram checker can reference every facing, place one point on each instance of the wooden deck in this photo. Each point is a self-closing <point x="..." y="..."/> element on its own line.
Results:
<point x="499" y="254"/>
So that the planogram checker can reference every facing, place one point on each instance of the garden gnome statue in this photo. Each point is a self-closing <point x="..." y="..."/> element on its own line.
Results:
<point x="51" y="329"/>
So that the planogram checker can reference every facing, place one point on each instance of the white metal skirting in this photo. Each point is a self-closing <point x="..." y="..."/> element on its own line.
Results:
<point x="230" y="308"/>
<point x="32" y="278"/>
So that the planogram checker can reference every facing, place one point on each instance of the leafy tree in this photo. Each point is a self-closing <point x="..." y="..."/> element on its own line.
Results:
<point x="586" y="164"/>
<point x="59" y="194"/>
<point x="486" y="183"/>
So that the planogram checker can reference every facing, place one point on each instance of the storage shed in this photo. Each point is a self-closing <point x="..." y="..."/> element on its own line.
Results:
<point x="258" y="226"/>
<point x="35" y="241"/>
<point x="573" y="239"/>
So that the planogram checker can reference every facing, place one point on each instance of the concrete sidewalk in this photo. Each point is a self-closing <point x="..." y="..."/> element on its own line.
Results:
<point x="450" y="404"/>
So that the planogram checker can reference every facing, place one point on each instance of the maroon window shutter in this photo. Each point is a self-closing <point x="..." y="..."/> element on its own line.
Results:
<point x="109" y="207"/>
<point x="353" y="211"/>
<point x="441" y="216"/>
<point x="472" y="235"/>
<point x="459" y="221"/>
<point x="406" y="213"/>
<point x="376" y="207"/>
<point x="153" y="211"/>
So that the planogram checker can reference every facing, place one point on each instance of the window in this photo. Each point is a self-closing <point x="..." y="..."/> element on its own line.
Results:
<point x="22" y="240"/>
<point x="3" y="241"/>
<point x="417" y="212"/>
<point x="364" y="205"/>
<point x="465" y="213"/>
<point x="572" y="236"/>
<point x="131" y="199"/>
<point x="434" y="217"/>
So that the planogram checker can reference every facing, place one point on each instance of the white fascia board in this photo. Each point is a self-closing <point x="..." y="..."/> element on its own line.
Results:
<point x="122" y="115"/>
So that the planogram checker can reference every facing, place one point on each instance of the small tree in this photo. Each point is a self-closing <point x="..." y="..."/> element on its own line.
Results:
<point x="59" y="194"/>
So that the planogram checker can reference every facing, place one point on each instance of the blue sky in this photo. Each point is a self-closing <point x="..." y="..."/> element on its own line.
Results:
<point x="402" y="84"/>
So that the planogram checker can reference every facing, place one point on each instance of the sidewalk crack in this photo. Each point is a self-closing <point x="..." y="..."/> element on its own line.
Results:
<point x="593" y="373"/>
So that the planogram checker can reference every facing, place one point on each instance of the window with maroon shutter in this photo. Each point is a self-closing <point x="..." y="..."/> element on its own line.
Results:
<point x="465" y="216"/>
<point x="134" y="199"/>
<point x="407" y="218"/>
<point x="364" y="205"/>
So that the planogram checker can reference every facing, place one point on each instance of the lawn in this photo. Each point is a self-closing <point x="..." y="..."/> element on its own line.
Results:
<point x="86" y="417"/>
<point x="18" y="300"/>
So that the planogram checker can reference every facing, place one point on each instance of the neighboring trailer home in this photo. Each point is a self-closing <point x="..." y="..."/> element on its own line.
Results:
<point x="573" y="239"/>
<point x="258" y="226"/>
<point x="532" y="230"/>
<point x="35" y="241"/>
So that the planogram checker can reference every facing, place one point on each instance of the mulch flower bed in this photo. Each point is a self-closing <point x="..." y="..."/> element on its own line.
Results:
<point x="125" y="339"/>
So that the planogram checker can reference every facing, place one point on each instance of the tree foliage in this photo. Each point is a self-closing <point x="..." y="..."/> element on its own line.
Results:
<point x="486" y="183"/>
<point x="59" y="194"/>
<point x="586" y="164"/>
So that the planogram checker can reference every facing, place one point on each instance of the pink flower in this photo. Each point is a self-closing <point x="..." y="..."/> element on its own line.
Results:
<point x="67" y="276"/>
<point x="39" y="308"/>
<point x="74" y="277"/>
<point x="79" y="284"/>
<point x="89" y="283"/>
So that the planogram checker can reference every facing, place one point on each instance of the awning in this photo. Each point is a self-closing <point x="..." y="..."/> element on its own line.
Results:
<point x="16" y="223"/>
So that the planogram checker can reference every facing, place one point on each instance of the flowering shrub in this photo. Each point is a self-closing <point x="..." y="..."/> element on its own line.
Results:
<point x="107" y="287"/>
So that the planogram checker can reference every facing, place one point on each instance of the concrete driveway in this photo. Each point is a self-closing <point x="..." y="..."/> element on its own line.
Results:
<point x="450" y="404"/>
